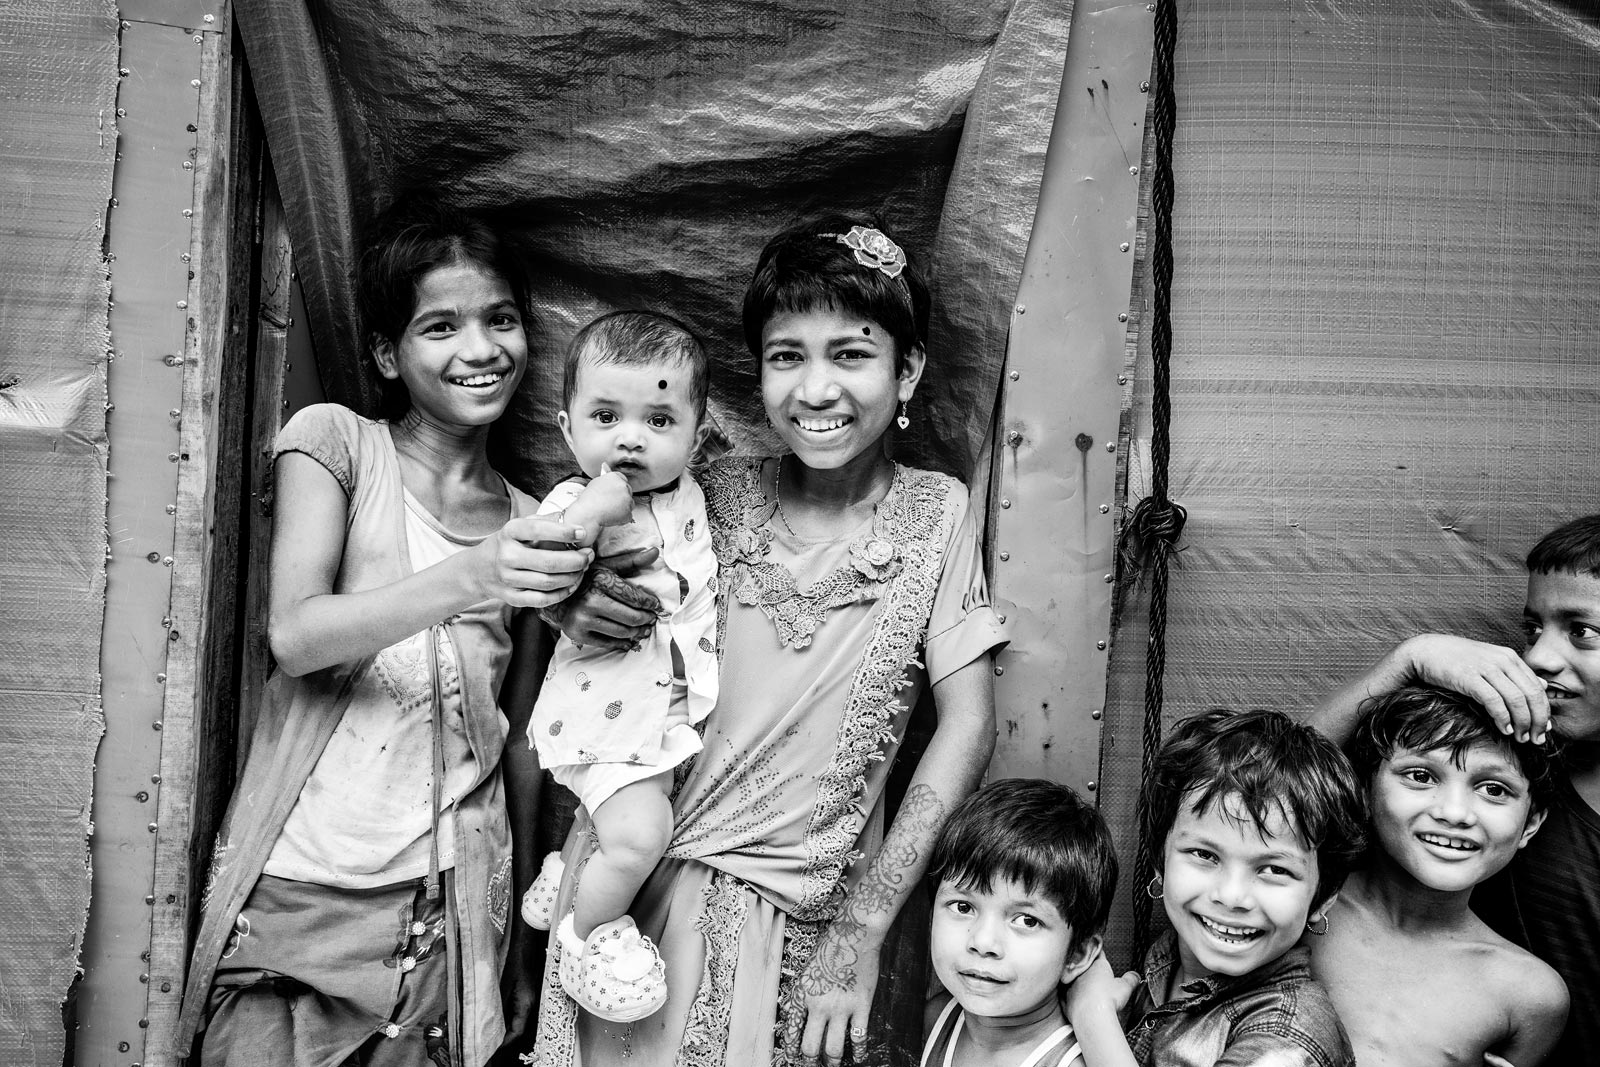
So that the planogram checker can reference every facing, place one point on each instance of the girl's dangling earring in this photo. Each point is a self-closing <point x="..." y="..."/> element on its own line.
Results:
<point x="1318" y="926"/>
<point x="1153" y="889"/>
<point x="904" y="420"/>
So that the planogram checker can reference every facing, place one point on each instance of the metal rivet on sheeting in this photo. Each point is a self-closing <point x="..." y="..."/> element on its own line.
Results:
<point x="127" y="25"/>
<point x="172" y="360"/>
<point x="187" y="165"/>
<point x="172" y="636"/>
<point x="1095" y="714"/>
<point x="1144" y="87"/>
<point x="161" y="678"/>
<point x="156" y="778"/>
<point x="1022" y="309"/>
<point x="1122" y="316"/>
<point x="1100" y="645"/>
<point x="122" y="1046"/>
<point x="189" y="214"/>
<point x="1090" y="787"/>
<point x="1015" y="375"/>
<point x="150" y="899"/>
<point x="210" y="18"/>
<point x="999" y="669"/>
<point x="1104" y="508"/>
<point x="1123" y="246"/>
<point x="1111" y="446"/>
<point x="1005" y="503"/>
<point x="1133" y="170"/>
<point x="1004" y="556"/>
<point x="175" y="413"/>
<point x="166" y="987"/>
<point x="167" y="560"/>
<point x="1002" y="619"/>
<point x="141" y="796"/>
<point x="1015" y="437"/>
<point x="198" y="39"/>
<point x="155" y="726"/>
<point x="182" y="304"/>
<point x="1110" y="578"/>
<point x="172" y="457"/>
<point x="154" y="557"/>
<point x="184" y="257"/>
<point x="194" y="83"/>
<point x="172" y="509"/>
<point x="1122" y="379"/>
<point x="146" y="977"/>
<point x="122" y="112"/>
<point x="123" y="72"/>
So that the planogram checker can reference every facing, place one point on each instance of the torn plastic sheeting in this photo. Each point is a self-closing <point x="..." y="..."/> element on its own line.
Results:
<point x="647" y="151"/>
<point x="55" y="166"/>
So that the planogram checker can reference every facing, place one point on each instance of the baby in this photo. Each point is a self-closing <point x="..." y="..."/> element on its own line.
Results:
<point x="1024" y="873"/>
<point x="612" y="725"/>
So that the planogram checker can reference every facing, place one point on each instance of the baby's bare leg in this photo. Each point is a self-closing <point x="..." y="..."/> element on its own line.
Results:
<point x="634" y="825"/>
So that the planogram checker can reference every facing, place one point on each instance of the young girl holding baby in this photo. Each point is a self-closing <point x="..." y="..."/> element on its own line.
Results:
<point x="360" y="885"/>
<point x="847" y="585"/>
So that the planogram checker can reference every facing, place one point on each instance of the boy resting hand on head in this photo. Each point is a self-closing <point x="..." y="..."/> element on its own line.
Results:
<point x="1548" y="898"/>
<point x="1418" y="979"/>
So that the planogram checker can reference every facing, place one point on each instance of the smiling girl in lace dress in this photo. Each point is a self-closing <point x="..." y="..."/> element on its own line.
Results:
<point x="848" y="585"/>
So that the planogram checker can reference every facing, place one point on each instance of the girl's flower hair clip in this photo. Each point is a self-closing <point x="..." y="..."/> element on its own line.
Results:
<point x="872" y="248"/>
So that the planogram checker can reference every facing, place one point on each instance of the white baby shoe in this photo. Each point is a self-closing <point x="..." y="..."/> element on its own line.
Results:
<point x="539" y="902"/>
<point x="616" y="974"/>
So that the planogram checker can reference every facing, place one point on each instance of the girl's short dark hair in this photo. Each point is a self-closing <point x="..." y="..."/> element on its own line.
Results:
<point x="419" y="233"/>
<point x="1573" y="548"/>
<point x="1274" y="767"/>
<point x="1040" y="835"/>
<point x="1423" y="717"/>
<point x="805" y="268"/>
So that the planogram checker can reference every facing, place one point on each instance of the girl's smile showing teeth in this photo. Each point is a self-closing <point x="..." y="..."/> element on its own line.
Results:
<point x="478" y="380"/>
<point x="1237" y="935"/>
<point x="818" y="425"/>
<point x="1454" y="844"/>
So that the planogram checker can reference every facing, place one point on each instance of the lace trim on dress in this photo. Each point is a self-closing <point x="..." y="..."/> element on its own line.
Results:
<point x="743" y="541"/>
<point x="726" y="902"/>
<point x="799" y="945"/>
<point x="899" y="559"/>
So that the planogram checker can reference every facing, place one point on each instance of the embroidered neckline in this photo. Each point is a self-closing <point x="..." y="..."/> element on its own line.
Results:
<point x="757" y="581"/>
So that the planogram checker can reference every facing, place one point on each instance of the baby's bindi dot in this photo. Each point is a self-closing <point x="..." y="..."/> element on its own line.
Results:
<point x="662" y="384"/>
<point x="866" y="331"/>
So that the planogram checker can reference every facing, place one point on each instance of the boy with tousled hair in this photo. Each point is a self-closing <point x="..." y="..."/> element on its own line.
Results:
<point x="1418" y="979"/>
<point x="1548" y="899"/>
<point x="1024" y="872"/>
<point x="1257" y="819"/>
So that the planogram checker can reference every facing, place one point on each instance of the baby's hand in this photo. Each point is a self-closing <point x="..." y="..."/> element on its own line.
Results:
<point x="605" y="501"/>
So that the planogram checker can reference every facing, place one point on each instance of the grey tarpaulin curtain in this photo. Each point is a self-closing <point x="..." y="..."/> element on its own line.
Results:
<point x="646" y="150"/>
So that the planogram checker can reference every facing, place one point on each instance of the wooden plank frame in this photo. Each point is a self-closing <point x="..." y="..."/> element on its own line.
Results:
<point x="202" y="663"/>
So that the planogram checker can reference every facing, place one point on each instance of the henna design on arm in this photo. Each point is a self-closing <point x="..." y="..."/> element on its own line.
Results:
<point x="896" y="868"/>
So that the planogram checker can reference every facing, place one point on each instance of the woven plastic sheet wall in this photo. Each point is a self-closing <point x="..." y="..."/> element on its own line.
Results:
<point x="1385" y="379"/>
<point x="646" y="151"/>
<point x="57" y="142"/>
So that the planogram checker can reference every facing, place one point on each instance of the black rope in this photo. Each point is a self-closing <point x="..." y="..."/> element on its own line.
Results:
<point x="1150" y="537"/>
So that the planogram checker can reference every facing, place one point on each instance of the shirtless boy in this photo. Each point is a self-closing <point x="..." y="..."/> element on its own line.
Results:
<point x="1548" y="898"/>
<point x="1418" y="979"/>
